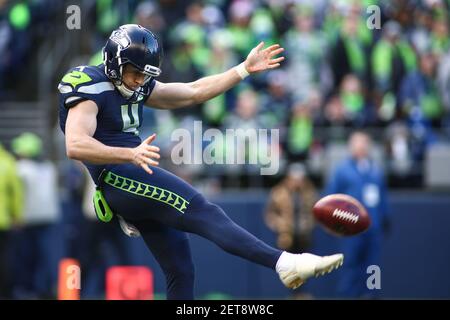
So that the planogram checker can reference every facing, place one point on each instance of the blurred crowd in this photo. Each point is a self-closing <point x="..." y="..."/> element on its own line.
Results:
<point x="348" y="65"/>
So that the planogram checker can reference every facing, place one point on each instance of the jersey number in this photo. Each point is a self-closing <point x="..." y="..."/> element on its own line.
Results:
<point x="130" y="118"/>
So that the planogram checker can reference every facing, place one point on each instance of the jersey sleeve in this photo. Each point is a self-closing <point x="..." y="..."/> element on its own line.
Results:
<point x="82" y="83"/>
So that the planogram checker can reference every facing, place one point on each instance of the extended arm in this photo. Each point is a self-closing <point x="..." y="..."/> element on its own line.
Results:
<point x="81" y="124"/>
<point x="178" y="95"/>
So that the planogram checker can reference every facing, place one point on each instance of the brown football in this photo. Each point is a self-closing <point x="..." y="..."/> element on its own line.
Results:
<point x="341" y="215"/>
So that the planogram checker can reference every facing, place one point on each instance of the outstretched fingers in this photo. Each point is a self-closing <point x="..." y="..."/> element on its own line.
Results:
<point x="273" y="66"/>
<point x="152" y="148"/>
<point x="151" y="155"/>
<point x="147" y="155"/>
<point x="146" y="168"/>
<point x="150" y="139"/>
<point x="150" y="161"/>
<point x="259" y="46"/>
<point x="275" y="52"/>
<point x="271" y="48"/>
<point x="277" y="60"/>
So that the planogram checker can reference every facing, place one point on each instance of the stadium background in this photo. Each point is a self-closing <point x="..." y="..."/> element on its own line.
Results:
<point x="339" y="76"/>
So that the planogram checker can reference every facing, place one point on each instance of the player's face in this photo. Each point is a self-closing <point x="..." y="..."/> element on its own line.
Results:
<point x="132" y="77"/>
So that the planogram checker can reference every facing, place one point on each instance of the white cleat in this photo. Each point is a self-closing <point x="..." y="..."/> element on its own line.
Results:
<point x="308" y="265"/>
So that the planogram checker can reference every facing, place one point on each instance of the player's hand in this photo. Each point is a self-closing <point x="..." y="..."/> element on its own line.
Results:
<point x="145" y="154"/>
<point x="260" y="59"/>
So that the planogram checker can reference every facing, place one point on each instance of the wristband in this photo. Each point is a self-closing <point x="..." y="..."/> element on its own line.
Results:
<point x="242" y="71"/>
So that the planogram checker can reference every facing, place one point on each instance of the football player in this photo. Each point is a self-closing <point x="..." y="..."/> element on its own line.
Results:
<point x="100" y="113"/>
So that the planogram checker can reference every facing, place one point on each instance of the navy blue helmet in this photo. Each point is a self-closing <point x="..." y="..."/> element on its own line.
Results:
<point x="133" y="44"/>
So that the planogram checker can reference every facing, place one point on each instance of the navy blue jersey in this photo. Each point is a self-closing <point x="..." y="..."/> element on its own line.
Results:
<point x="118" y="120"/>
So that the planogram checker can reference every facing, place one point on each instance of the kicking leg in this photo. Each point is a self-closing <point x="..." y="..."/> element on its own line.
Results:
<point x="165" y="198"/>
<point x="210" y="221"/>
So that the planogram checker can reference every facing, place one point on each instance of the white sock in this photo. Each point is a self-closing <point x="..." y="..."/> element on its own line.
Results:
<point x="285" y="261"/>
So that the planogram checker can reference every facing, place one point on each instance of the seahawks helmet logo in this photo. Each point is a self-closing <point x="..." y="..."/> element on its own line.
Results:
<point x="121" y="38"/>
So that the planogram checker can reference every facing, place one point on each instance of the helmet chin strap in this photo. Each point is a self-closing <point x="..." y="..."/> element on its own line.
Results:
<point x="124" y="91"/>
<point x="133" y="95"/>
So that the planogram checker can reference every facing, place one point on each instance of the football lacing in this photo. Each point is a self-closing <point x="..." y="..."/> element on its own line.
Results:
<point x="345" y="215"/>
